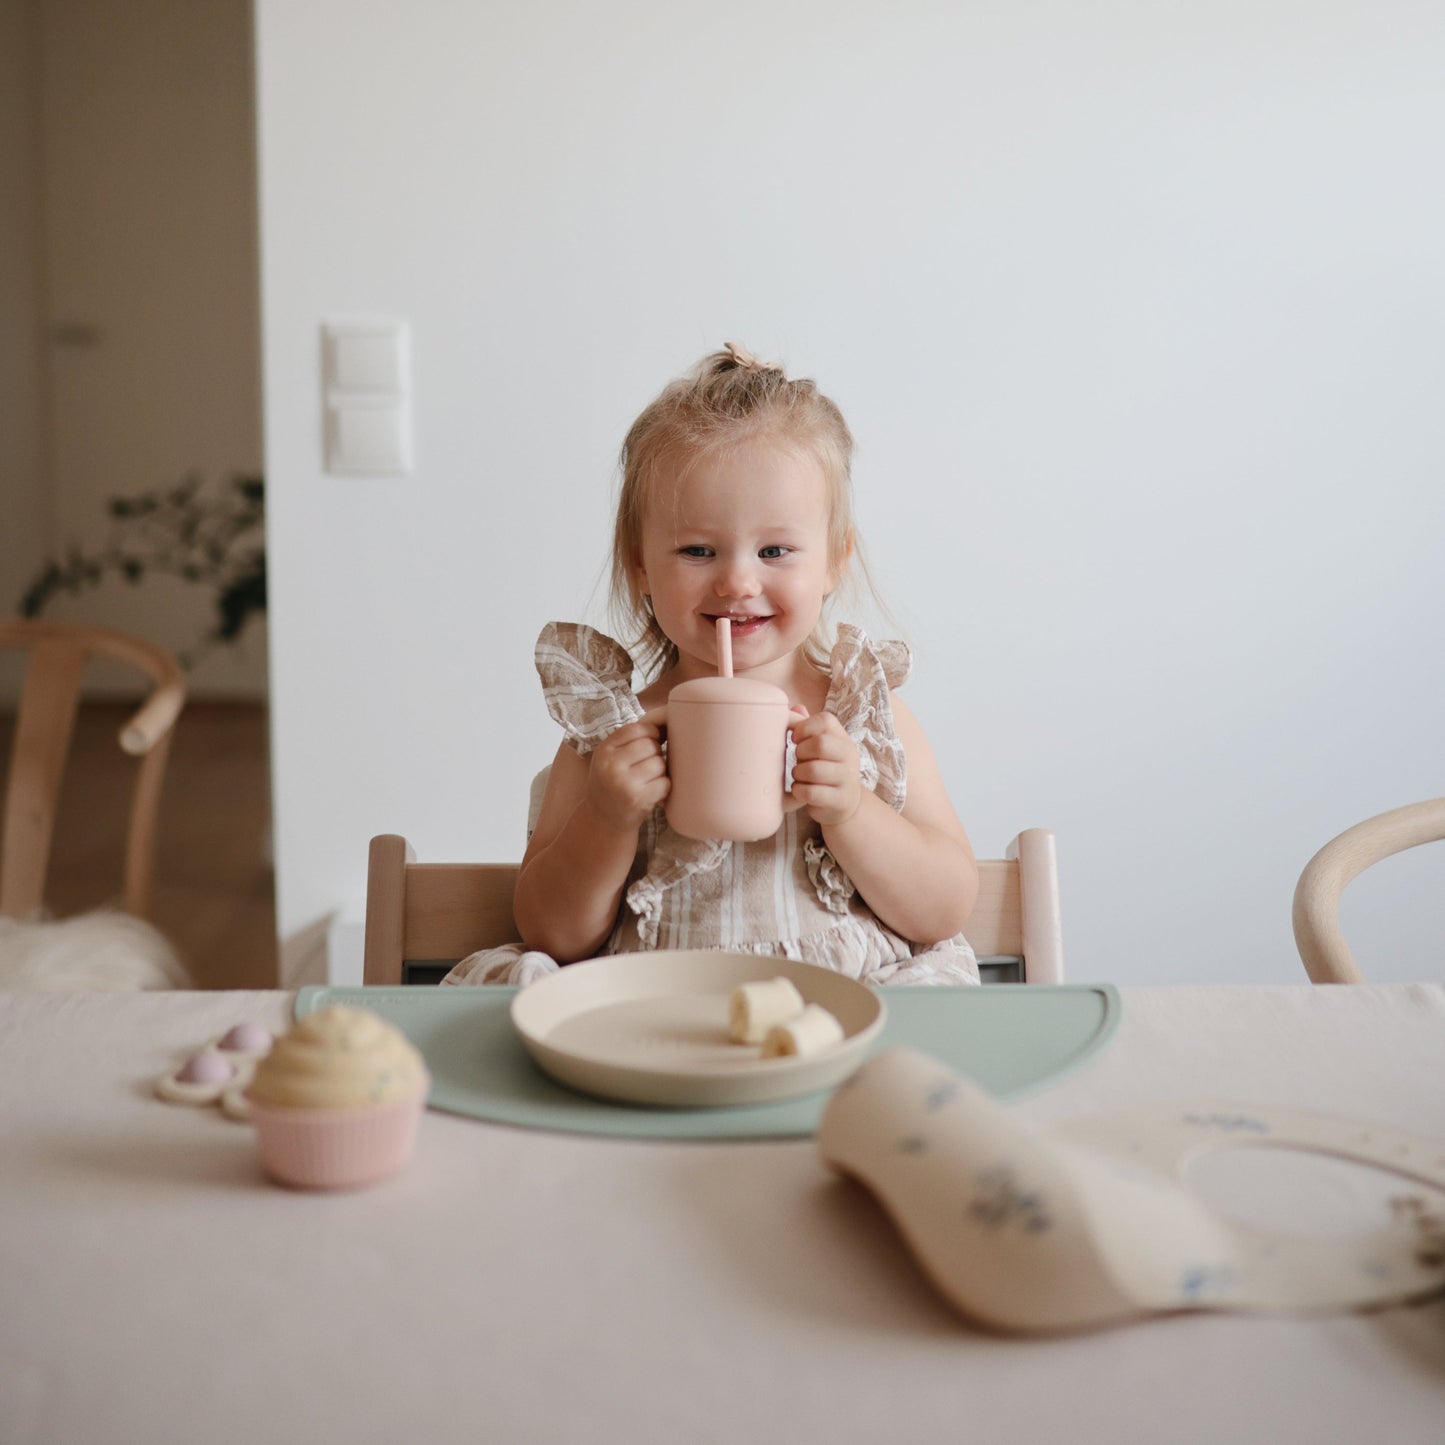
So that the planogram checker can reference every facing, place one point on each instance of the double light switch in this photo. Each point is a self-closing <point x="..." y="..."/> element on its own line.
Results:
<point x="366" y="367"/>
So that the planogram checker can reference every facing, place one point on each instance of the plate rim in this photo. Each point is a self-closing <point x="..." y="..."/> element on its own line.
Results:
<point x="763" y="1081"/>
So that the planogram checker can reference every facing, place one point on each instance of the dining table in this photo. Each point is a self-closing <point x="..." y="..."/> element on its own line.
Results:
<point x="515" y="1283"/>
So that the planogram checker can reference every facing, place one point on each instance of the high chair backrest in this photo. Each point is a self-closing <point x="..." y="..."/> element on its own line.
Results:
<point x="421" y="918"/>
<point x="58" y="654"/>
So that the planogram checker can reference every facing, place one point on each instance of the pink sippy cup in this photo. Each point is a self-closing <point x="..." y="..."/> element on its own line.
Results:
<point x="727" y="747"/>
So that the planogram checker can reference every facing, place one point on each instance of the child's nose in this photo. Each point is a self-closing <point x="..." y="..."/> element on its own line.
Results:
<point x="738" y="578"/>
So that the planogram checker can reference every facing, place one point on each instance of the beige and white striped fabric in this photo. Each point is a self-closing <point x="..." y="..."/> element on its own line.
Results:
<point x="783" y="895"/>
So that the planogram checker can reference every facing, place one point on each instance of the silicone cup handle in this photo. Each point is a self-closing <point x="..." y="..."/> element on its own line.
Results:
<point x="791" y="802"/>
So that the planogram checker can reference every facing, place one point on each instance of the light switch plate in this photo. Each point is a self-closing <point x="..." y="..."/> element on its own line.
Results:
<point x="367" y="441"/>
<point x="367" y="357"/>
<point x="366" y="373"/>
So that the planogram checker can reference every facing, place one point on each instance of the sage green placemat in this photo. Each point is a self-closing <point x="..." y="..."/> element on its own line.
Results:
<point x="1010" y="1038"/>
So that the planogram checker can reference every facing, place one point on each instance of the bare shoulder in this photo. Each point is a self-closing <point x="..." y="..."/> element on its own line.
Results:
<point x="926" y="800"/>
<point x="909" y="729"/>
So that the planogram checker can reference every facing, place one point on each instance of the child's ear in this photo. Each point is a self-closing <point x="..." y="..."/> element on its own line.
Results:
<point x="835" y="574"/>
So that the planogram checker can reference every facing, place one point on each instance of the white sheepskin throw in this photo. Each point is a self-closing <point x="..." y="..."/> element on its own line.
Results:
<point x="97" y="952"/>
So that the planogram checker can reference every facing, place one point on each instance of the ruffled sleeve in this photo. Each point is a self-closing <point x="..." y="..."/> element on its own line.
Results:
<point x="586" y="682"/>
<point x="864" y="674"/>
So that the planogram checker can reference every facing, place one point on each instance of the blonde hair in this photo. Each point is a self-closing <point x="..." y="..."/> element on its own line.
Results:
<point x="730" y="398"/>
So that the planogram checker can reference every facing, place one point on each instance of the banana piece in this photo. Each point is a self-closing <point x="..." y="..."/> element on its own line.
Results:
<point x="812" y="1031"/>
<point x="755" y="1007"/>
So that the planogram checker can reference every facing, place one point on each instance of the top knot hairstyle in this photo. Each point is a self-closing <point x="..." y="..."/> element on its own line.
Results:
<point x="729" y="400"/>
<point x="745" y="360"/>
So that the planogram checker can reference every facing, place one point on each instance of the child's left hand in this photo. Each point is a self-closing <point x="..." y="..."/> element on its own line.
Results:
<point x="826" y="770"/>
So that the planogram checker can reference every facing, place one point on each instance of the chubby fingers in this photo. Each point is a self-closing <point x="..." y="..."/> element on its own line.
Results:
<point x="637" y="745"/>
<point x="821" y="735"/>
<point x="826" y="770"/>
<point x="627" y="774"/>
<point x="644" y="727"/>
<point x="636" y="736"/>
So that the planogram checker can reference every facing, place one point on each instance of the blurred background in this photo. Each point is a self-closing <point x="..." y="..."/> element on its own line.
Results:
<point x="131" y="447"/>
<point x="1135" y="310"/>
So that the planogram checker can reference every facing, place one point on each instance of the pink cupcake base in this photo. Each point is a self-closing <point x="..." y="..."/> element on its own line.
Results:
<point x="336" y="1148"/>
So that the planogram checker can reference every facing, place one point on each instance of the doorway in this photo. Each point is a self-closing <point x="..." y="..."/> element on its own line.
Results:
<point x="143" y="478"/>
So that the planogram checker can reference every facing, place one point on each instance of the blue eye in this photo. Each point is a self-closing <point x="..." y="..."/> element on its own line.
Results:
<point x="695" y="551"/>
<point x="772" y="554"/>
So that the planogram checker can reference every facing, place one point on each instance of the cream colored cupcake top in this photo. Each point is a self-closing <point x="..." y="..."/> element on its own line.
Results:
<point x="339" y="1058"/>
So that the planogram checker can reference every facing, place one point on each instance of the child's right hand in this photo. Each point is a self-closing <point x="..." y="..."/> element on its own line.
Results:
<point x="627" y="776"/>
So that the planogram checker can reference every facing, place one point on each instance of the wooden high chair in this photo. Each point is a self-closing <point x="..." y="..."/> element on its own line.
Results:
<point x="1317" y="932"/>
<point x="58" y="653"/>
<point x="422" y="918"/>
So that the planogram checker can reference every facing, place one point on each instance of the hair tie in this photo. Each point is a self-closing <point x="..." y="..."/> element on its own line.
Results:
<point x="744" y="358"/>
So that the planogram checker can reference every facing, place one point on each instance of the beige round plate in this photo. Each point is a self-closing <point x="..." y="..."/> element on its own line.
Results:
<point x="652" y="1028"/>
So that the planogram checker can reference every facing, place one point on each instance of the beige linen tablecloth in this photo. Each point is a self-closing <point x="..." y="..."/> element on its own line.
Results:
<point x="524" y="1286"/>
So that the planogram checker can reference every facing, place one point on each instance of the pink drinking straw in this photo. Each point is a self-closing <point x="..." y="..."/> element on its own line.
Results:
<point x="724" y="647"/>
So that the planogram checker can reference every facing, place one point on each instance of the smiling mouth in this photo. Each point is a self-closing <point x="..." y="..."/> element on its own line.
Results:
<point x="740" y="620"/>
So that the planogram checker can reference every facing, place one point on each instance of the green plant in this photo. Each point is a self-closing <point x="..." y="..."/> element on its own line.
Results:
<point x="211" y="538"/>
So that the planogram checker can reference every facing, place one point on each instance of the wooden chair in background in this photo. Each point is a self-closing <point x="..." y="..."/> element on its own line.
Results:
<point x="57" y="657"/>
<point x="1317" y="931"/>
<point x="422" y="918"/>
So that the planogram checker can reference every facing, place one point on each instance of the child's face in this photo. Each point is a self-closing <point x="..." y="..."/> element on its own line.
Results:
<point x="742" y="535"/>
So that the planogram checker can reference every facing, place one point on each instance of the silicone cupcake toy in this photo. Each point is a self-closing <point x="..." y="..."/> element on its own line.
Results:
<point x="337" y="1101"/>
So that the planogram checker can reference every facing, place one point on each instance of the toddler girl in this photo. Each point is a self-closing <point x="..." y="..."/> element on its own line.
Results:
<point x="735" y="503"/>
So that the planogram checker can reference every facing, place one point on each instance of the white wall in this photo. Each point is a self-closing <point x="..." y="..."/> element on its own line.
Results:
<point x="1136" y="312"/>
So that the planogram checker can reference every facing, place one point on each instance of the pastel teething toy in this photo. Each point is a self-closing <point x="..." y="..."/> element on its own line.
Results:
<point x="246" y="1038"/>
<point x="337" y="1101"/>
<point x="220" y="1072"/>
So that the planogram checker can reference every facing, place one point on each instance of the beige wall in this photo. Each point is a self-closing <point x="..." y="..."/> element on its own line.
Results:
<point x="23" y="502"/>
<point x="128" y="145"/>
